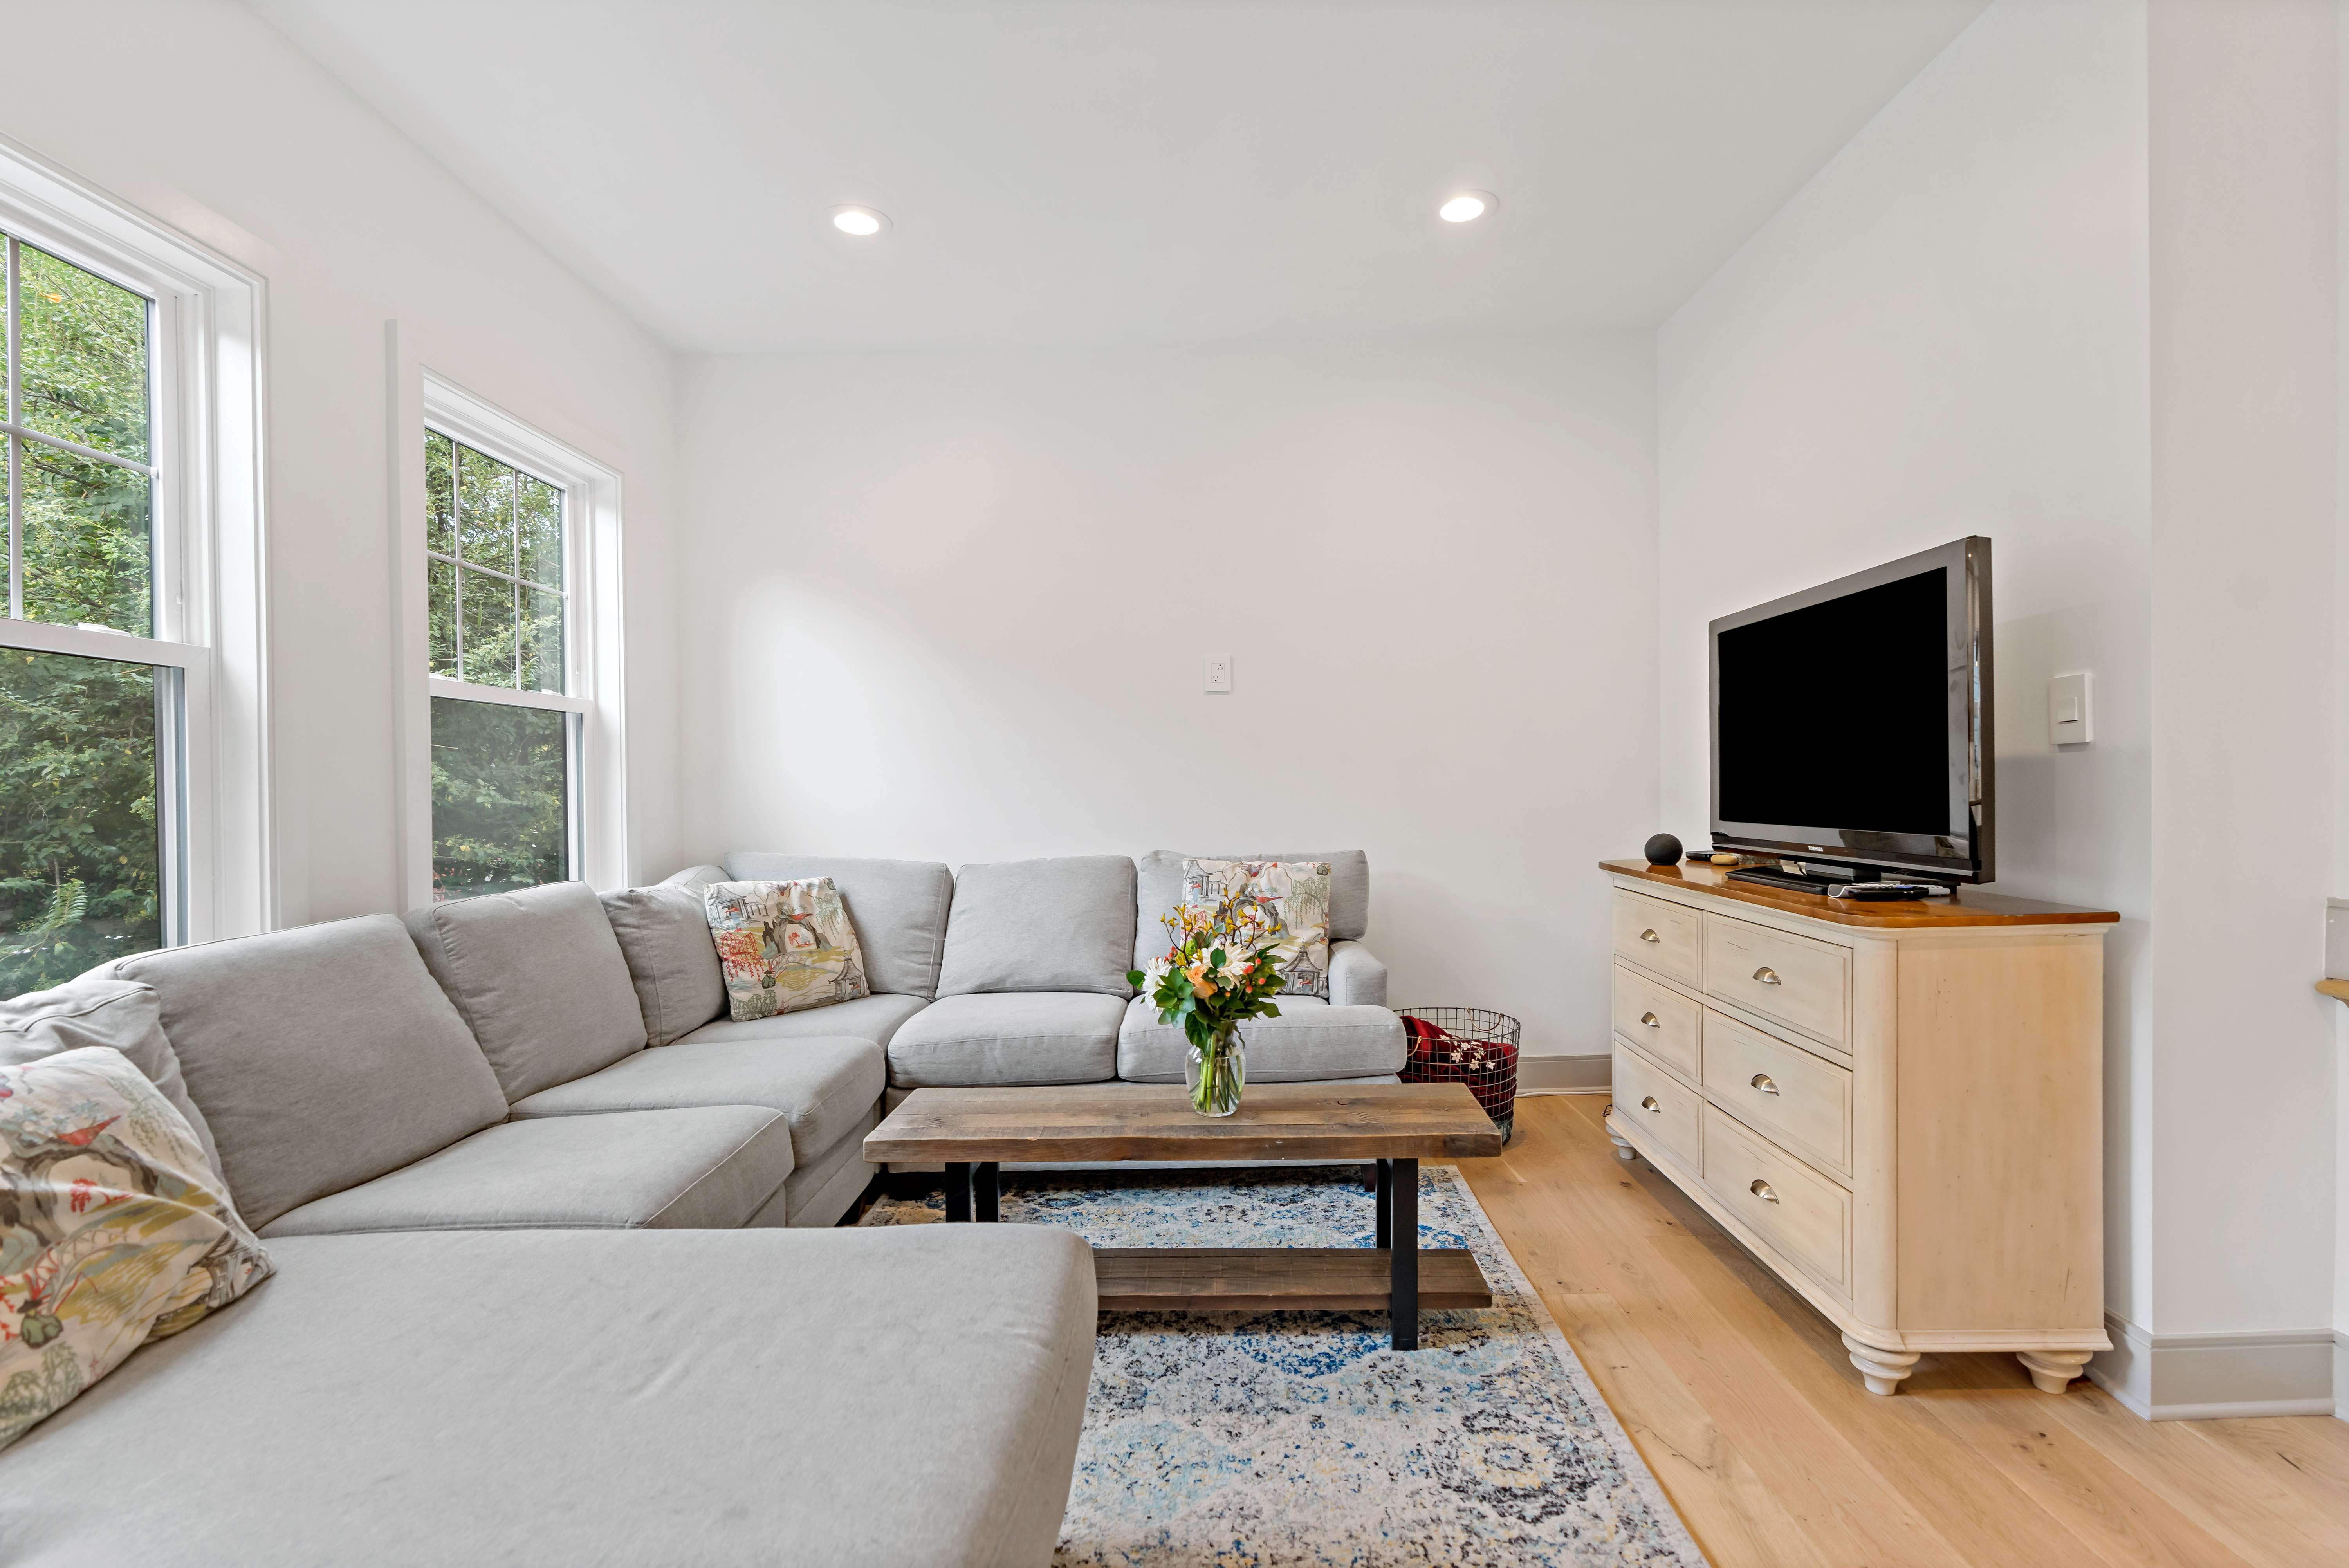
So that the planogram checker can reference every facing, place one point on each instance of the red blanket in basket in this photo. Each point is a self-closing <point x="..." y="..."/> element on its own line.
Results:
<point x="1488" y="1067"/>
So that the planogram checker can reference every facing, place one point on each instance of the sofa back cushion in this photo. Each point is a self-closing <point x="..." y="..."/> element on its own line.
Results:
<point x="102" y="1009"/>
<point x="1065" y="924"/>
<point x="1159" y="886"/>
<point x="321" y="1058"/>
<point x="538" y="977"/>
<point x="694" y="878"/>
<point x="663" y="935"/>
<point x="898" y="907"/>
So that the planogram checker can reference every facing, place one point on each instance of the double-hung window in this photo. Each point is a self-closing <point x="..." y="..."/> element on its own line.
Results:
<point x="135" y="806"/>
<point x="92" y="669"/>
<point x="505" y="721"/>
<point x="512" y="734"/>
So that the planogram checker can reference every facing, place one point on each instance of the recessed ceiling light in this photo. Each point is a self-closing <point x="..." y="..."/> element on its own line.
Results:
<point x="863" y="222"/>
<point x="1468" y="207"/>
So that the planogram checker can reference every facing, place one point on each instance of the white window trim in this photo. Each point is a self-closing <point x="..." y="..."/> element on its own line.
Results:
<point x="210" y="539"/>
<point x="422" y="398"/>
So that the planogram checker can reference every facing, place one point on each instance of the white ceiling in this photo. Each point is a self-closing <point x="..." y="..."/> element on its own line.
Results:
<point x="1094" y="171"/>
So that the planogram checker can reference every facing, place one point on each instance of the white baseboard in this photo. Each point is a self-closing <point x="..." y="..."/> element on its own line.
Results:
<point x="2341" y="1374"/>
<point x="2204" y="1376"/>
<point x="1564" y="1075"/>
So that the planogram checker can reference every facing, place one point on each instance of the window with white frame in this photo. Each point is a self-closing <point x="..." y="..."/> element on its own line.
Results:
<point x="504" y="720"/>
<point x="88" y="845"/>
<point x="134" y="802"/>
<point x="519" y="653"/>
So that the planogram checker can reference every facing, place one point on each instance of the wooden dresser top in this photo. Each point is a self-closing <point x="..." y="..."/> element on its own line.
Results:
<point x="1968" y="907"/>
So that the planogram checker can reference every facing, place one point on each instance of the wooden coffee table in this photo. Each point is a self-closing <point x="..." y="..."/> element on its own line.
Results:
<point x="973" y="1131"/>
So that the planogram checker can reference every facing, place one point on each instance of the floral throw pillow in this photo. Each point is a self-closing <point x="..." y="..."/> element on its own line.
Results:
<point x="1293" y="896"/>
<point x="113" y="1228"/>
<point x="783" y="946"/>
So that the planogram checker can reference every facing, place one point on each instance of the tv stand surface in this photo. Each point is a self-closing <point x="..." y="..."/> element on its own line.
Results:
<point x="1966" y="906"/>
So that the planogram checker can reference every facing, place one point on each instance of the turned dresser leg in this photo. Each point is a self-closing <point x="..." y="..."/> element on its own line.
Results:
<point x="2052" y="1370"/>
<point x="1623" y="1151"/>
<point x="1881" y="1370"/>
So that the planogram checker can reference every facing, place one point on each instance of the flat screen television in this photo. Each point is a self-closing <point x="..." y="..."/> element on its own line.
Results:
<point x="1853" y="721"/>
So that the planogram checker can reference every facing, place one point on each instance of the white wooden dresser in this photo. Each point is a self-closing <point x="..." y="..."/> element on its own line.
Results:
<point x="1897" y="1107"/>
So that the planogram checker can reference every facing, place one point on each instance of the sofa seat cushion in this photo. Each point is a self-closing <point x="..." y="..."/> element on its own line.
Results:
<point x="827" y="1186"/>
<point x="1309" y="1041"/>
<point x="321" y="1056"/>
<point x="544" y="1399"/>
<point x="824" y="1087"/>
<point x="539" y="977"/>
<point x="898" y="907"/>
<point x="1063" y="924"/>
<point x="1009" y="1037"/>
<point x="704" y="1167"/>
<point x="874" y="1018"/>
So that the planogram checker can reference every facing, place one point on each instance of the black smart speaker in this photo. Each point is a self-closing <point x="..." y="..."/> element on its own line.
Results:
<point x="1663" y="850"/>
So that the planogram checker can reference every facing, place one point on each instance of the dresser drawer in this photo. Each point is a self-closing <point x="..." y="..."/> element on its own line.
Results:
<point x="1659" y="1106"/>
<point x="1800" y="1212"/>
<point x="1658" y="1020"/>
<point x="1666" y="938"/>
<point x="1797" y="1099"/>
<point x="1779" y="975"/>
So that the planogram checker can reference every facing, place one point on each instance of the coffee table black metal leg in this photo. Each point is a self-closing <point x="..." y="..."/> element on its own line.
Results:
<point x="986" y="1192"/>
<point x="958" y="1193"/>
<point x="1402" y="1294"/>
<point x="1386" y="1189"/>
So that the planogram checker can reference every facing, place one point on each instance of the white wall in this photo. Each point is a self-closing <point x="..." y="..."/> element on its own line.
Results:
<point x="955" y="606"/>
<point x="1945" y="333"/>
<point x="2337" y="960"/>
<point x="210" y="121"/>
<point x="2244" y="297"/>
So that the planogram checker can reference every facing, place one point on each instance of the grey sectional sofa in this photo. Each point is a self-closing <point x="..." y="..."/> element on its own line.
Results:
<point x="557" y="1280"/>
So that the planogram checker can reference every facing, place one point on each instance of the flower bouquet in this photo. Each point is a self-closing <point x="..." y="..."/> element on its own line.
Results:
<point x="1211" y="981"/>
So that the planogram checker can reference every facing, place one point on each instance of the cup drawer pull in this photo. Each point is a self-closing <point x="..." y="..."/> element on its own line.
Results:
<point x="1651" y="1021"/>
<point x="1649" y="935"/>
<point x="1766" y="975"/>
<point x="1761" y="1082"/>
<point x="1761" y="1189"/>
<point x="1650" y="1104"/>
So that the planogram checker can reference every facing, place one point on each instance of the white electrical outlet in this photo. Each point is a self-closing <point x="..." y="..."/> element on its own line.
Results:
<point x="1219" y="672"/>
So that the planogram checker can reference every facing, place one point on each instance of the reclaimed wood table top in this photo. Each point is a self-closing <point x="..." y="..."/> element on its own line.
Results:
<point x="1113" y="1122"/>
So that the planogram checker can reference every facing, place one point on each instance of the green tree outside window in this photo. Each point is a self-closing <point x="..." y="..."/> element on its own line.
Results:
<point x="81" y="851"/>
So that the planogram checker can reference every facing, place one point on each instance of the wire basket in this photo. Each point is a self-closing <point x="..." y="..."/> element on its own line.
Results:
<point x="1466" y="1045"/>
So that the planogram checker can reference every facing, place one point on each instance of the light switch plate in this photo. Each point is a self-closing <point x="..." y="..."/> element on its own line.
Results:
<point x="1219" y="672"/>
<point x="2070" y="720"/>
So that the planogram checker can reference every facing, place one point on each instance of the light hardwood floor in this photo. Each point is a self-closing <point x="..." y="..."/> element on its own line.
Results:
<point x="1745" y="1405"/>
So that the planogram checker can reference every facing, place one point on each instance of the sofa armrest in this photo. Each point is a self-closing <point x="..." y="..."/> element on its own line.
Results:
<point x="1357" y="978"/>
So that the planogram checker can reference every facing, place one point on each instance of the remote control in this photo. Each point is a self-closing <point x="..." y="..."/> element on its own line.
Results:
<point x="1873" y="892"/>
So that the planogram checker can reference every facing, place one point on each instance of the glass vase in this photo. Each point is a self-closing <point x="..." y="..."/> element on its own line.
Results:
<point x="1216" y="1072"/>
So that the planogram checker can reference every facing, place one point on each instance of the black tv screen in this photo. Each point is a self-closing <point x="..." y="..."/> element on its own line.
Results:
<point x="1791" y="683"/>
<point x="1851" y="720"/>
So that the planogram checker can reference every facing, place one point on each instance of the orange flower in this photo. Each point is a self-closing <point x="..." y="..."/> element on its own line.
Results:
<point x="1200" y="983"/>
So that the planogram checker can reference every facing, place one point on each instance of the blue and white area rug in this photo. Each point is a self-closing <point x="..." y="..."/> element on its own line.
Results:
<point x="1250" y="1440"/>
